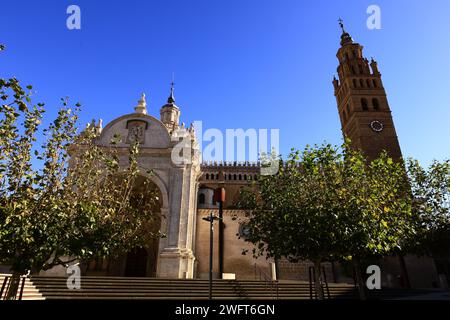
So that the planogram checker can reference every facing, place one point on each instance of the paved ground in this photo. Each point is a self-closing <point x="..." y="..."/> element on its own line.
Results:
<point x="440" y="295"/>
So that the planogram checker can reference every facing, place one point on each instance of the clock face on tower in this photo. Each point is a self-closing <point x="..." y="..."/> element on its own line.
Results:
<point x="376" y="126"/>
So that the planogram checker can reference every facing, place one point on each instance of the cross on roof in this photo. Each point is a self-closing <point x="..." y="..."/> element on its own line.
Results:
<point x="341" y="24"/>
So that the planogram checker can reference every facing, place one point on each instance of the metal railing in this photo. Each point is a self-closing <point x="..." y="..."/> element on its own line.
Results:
<point x="271" y="284"/>
<point x="7" y="284"/>
<point x="312" y="282"/>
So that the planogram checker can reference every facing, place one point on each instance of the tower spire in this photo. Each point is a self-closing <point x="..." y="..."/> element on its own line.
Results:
<point x="171" y="98"/>
<point x="345" y="37"/>
<point x="170" y="113"/>
<point x="341" y="24"/>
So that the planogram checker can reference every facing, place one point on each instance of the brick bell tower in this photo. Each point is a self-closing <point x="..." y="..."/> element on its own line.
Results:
<point x="362" y="103"/>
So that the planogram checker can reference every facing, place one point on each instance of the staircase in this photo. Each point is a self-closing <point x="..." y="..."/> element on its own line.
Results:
<point x="152" y="288"/>
<point x="139" y="288"/>
<point x="29" y="290"/>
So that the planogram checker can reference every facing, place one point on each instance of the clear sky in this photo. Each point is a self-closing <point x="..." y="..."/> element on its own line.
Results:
<point x="237" y="63"/>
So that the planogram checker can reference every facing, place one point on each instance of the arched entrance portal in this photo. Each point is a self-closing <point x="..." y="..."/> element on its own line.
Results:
<point x="136" y="263"/>
<point x="140" y="261"/>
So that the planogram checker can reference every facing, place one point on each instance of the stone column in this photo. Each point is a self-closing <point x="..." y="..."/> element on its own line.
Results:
<point x="176" y="259"/>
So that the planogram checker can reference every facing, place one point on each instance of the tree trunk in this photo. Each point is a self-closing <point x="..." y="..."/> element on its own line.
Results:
<point x="404" y="272"/>
<point x="318" y="280"/>
<point x="359" y="279"/>
<point x="14" y="284"/>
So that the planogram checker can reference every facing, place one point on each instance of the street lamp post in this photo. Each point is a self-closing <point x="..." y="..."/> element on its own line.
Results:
<point x="219" y="197"/>
<point x="211" y="219"/>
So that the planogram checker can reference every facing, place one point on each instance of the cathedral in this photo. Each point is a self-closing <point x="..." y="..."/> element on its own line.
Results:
<point x="186" y="190"/>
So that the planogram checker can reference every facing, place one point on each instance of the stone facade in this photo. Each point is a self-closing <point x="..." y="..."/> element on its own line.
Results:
<point x="187" y="189"/>
<point x="177" y="183"/>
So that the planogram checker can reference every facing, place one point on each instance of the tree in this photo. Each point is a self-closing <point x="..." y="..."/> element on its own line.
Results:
<point x="325" y="204"/>
<point x="291" y="214"/>
<point x="431" y="207"/>
<point x="68" y="200"/>
<point x="374" y="209"/>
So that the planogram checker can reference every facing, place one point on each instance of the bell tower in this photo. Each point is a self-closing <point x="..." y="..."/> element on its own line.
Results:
<point x="170" y="113"/>
<point x="362" y="102"/>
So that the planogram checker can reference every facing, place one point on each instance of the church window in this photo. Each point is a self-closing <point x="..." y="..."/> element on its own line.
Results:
<point x="229" y="176"/>
<point x="207" y="176"/>
<point x="376" y="104"/>
<point x="201" y="198"/>
<point x="364" y="104"/>
<point x="244" y="231"/>
<point x="217" y="176"/>
<point x="361" y="83"/>
<point x="240" y="177"/>
<point x="354" y="83"/>
<point x="235" y="177"/>
<point x="212" y="176"/>
<point x="245" y="177"/>
<point x="368" y="83"/>
<point x="375" y="85"/>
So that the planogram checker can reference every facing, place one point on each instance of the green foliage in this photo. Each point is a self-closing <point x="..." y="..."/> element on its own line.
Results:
<point x="374" y="205"/>
<point x="83" y="201"/>
<point x="328" y="203"/>
<point x="431" y="208"/>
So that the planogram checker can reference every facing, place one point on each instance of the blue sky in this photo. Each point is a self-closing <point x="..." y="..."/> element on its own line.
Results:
<point x="237" y="63"/>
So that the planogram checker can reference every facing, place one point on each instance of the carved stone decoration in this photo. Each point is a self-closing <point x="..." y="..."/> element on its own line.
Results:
<point x="136" y="130"/>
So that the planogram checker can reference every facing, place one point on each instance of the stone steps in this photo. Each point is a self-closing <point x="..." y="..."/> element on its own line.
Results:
<point x="150" y="288"/>
<point x="30" y="292"/>
<point x="113" y="288"/>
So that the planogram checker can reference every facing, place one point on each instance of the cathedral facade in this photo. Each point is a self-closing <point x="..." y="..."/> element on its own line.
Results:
<point x="186" y="189"/>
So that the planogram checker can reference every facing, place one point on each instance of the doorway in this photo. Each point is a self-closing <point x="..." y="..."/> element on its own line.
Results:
<point x="136" y="263"/>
